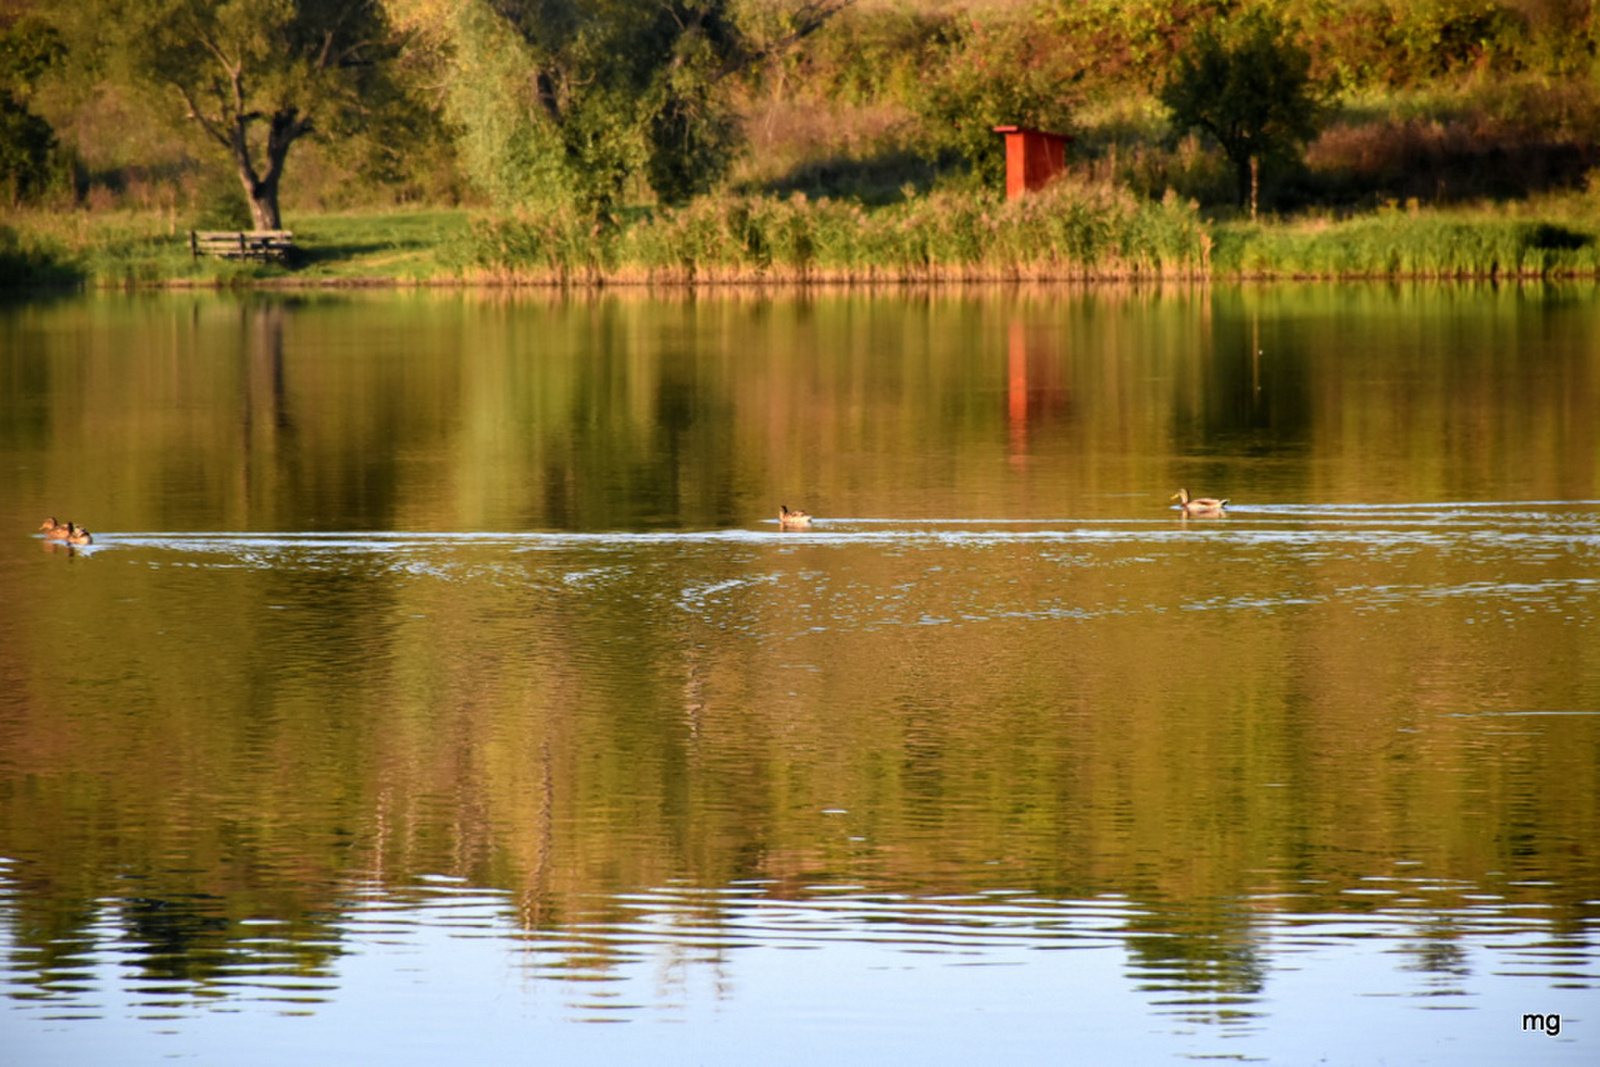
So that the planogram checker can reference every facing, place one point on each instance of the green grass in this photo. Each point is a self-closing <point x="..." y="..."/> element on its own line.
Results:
<point x="1074" y="230"/>
<point x="29" y="259"/>
<point x="130" y="248"/>
<point x="1071" y="231"/>
<point x="368" y="247"/>
<point x="1483" y="243"/>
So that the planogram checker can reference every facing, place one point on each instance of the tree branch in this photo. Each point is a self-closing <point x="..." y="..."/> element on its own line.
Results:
<point x="809" y="18"/>
<point x="212" y="128"/>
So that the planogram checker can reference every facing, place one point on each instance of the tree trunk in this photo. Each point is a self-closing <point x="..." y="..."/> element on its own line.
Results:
<point x="261" y="190"/>
<point x="1243" y="165"/>
<point x="263" y="197"/>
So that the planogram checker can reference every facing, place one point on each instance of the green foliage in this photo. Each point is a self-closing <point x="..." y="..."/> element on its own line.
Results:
<point x="691" y="144"/>
<point x="603" y="105"/>
<point x="691" y="134"/>
<point x="254" y="75"/>
<point x="508" y="154"/>
<point x="28" y="48"/>
<point x="27" y="260"/>
<point x="26" y="141"/>
<point x="220" y="204"/>
<point x="560" y="103"/>
<point x="1411" y="43"/>
<point x="1249" y="86"/>
<point x="867" y="55"/>
<point x="992" y="76"/>
<point x="1127" y="44"/>
<point x="1445" y="36"/>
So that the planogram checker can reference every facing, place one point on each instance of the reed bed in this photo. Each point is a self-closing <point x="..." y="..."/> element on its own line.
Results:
<point x="1073" y="231"/>
<point x="1069" y="231"/>
<point x="1407" y="245"/>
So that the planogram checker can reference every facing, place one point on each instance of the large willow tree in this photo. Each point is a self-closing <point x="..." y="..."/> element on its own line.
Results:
<point x="562" y="102"/>
<point x="255" y="76"/>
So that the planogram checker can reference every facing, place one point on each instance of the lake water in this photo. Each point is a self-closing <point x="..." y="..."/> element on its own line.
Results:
<point x="440" y="688"/>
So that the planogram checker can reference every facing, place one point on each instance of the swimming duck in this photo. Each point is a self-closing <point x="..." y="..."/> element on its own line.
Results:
<point x="77" y="535"/>
<point x="1199" y="505"/>
<point x="792" y="520"/>
<point x="55" y="531"/>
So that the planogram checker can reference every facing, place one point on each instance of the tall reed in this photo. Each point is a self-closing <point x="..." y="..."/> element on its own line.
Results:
<point x="1069" y="230"/>
<point x="1398" y="244"/>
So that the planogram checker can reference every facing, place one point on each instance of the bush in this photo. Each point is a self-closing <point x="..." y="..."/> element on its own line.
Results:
<point x="27" y="261"/>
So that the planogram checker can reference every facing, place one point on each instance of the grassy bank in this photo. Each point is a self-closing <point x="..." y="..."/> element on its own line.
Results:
<point x="1497" y="243"/>
<point x="1073" y="231"/>
<point x="120" y="249"/>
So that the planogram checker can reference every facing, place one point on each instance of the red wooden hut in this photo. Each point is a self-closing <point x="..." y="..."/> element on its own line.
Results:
<point x="1033" y="157"/>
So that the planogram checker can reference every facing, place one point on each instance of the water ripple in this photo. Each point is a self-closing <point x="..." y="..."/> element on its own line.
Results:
<point x="1397" y="525"/>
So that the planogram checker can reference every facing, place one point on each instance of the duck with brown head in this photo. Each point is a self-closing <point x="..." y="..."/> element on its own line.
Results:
<point x="1200" y="505"/>
<point x="792" y="520"/>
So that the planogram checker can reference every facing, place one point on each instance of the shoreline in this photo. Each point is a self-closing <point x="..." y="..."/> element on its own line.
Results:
<point x="1073" y="236"/>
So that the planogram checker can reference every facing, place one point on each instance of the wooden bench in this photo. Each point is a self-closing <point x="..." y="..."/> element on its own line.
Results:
<point x="245" y="244"/>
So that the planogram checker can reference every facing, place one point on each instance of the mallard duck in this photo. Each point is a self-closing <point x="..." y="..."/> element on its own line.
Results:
<point x="1200" y="504"/>
<point x="77" y="535"/>
<point x="792" y="520"/>
<point x="55" y="531"/>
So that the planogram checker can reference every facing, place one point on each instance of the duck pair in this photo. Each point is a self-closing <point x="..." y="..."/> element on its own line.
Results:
<point x="71" y="533"/>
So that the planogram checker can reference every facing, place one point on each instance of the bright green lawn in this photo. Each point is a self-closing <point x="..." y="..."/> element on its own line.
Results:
<point x="404" y="247"/>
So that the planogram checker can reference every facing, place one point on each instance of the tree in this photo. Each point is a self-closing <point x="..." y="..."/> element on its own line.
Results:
<point x="25" y="144"/>
<point x="560" y="102"/>
<point x="254" y="75"/>
<point x="28" y="48"/>
<point x="1003" y="74"/>
<point x="1249" y="86"/>
<point x="690" y="133"/>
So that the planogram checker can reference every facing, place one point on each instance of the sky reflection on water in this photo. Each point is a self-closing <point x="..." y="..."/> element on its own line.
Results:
<point x="733" y="974"/>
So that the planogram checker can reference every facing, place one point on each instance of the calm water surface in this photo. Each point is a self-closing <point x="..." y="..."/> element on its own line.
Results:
<point x="439" y="686"/>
